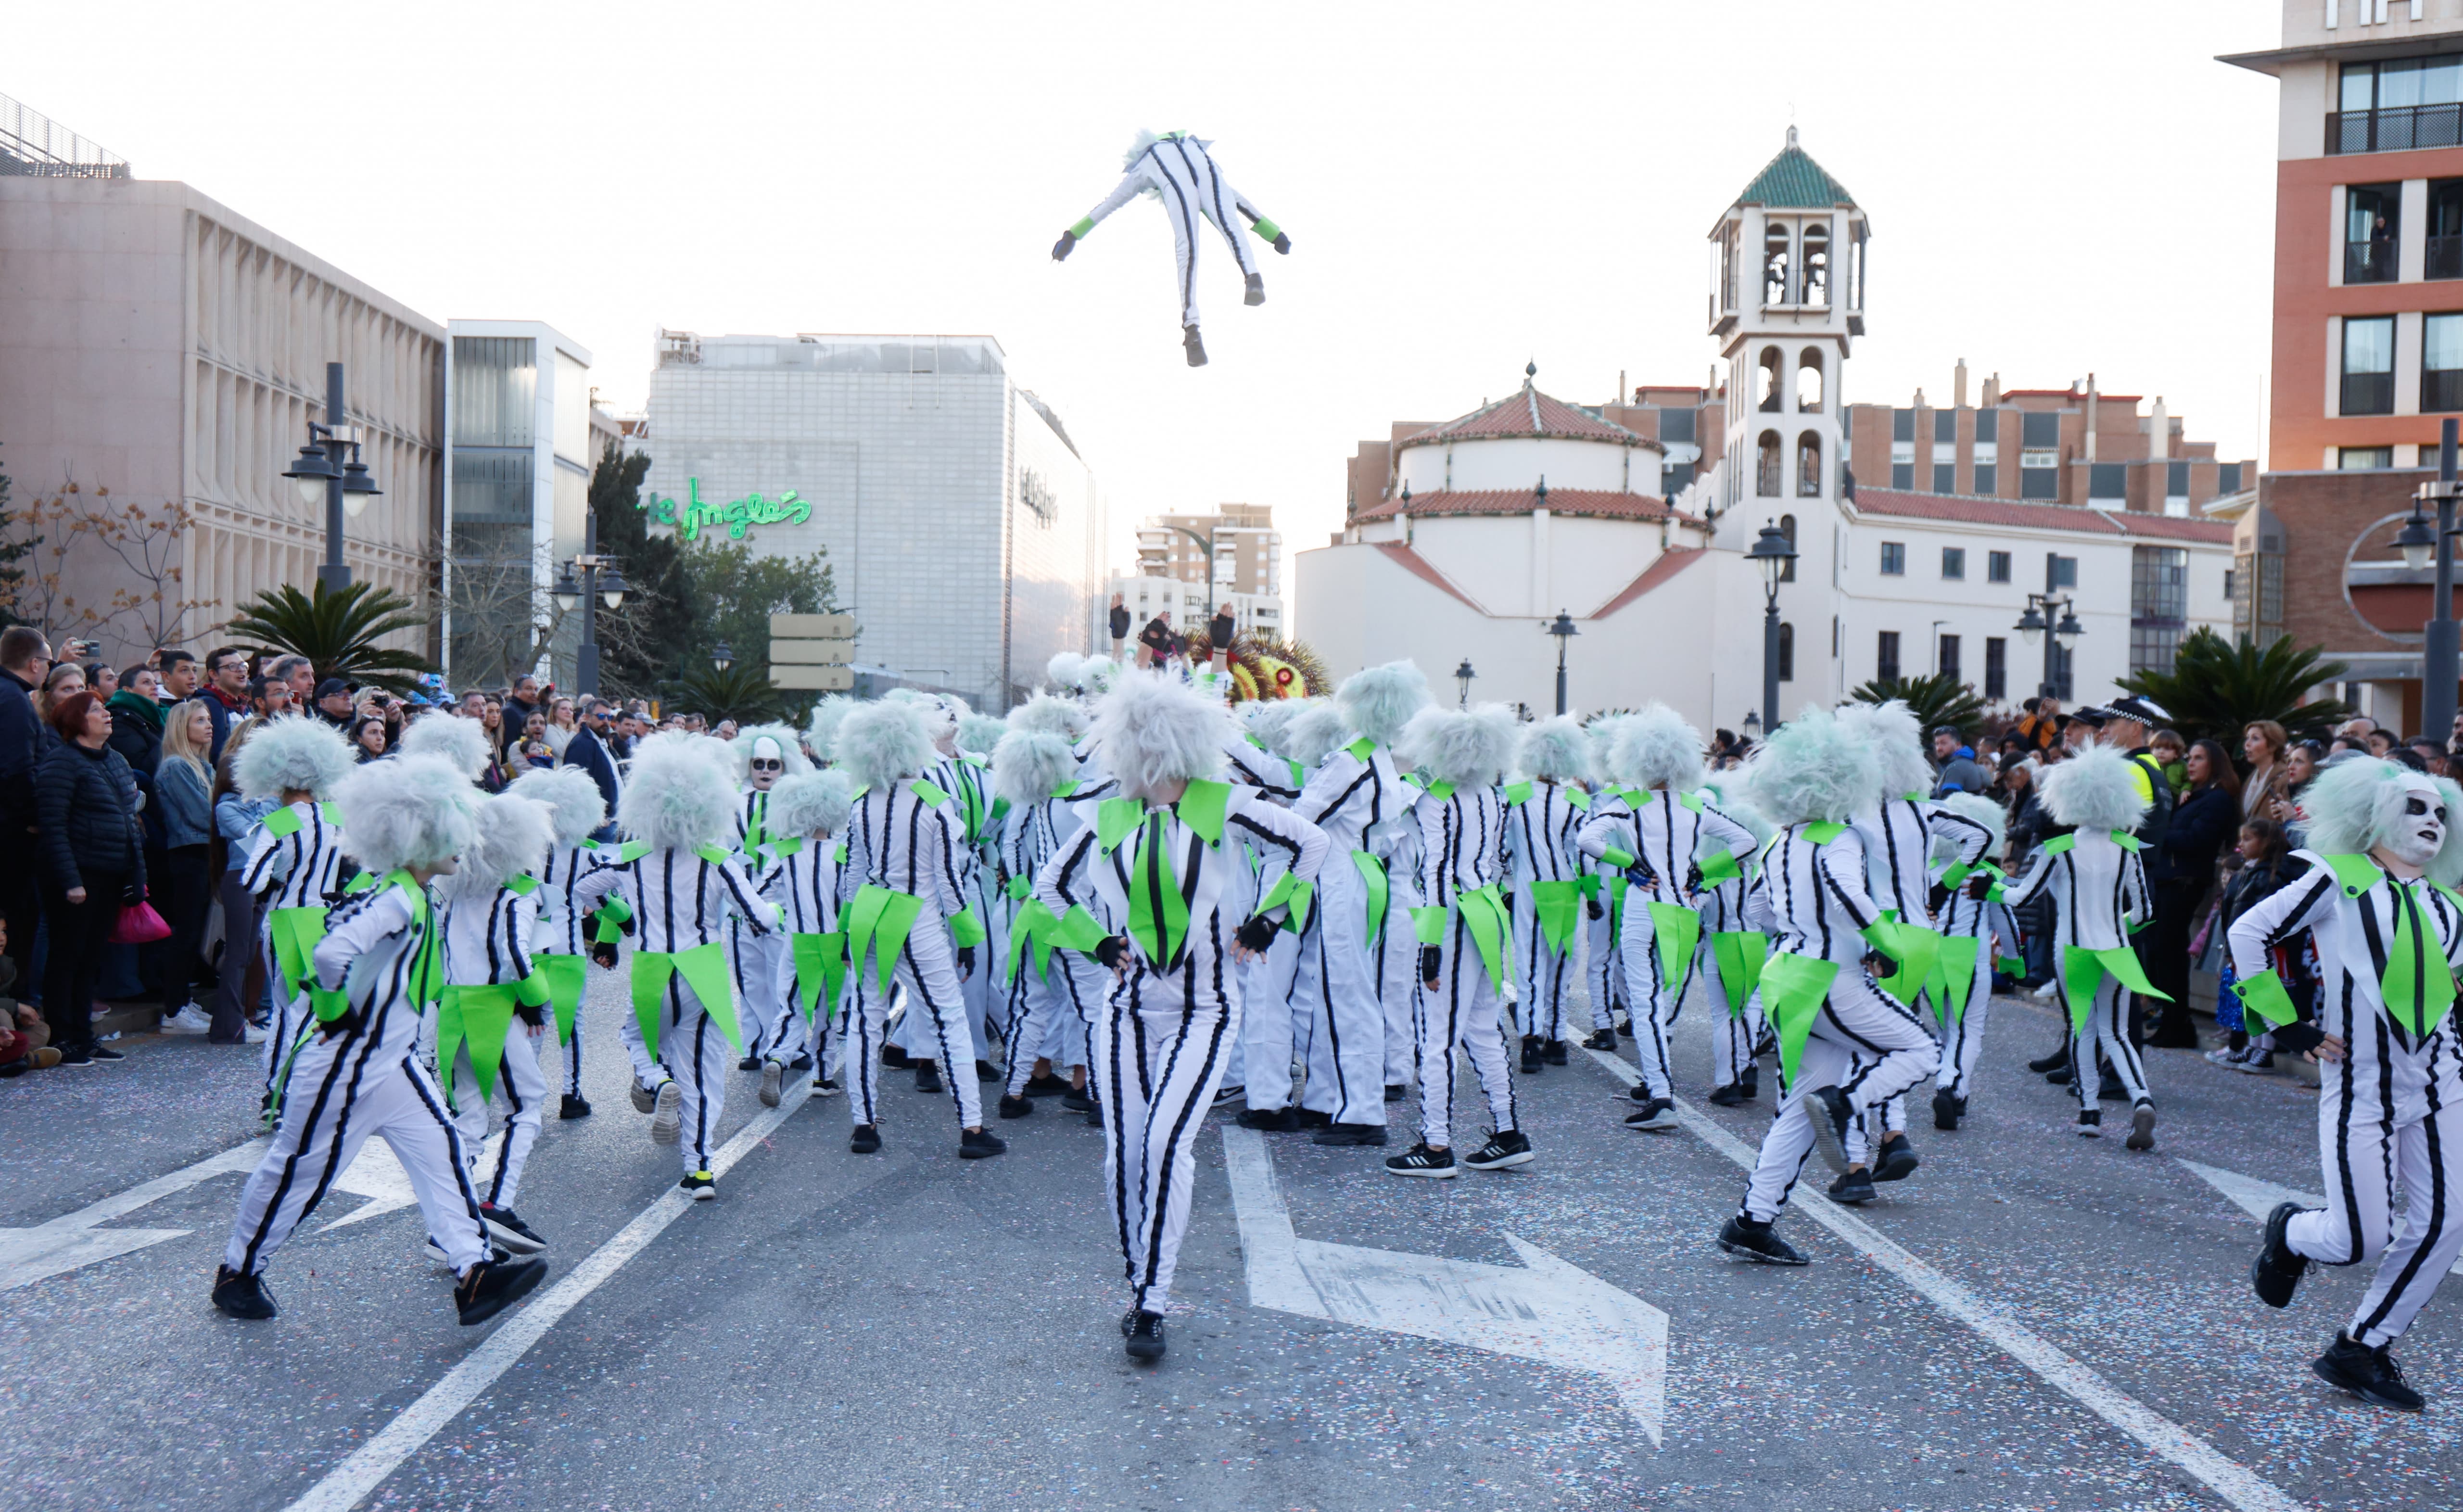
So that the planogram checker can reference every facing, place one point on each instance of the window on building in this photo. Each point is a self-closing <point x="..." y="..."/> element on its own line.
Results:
<point x="1903" y="426"/>
<point x="1946" y="661"/>
<point x="2108" y="482"/>
<point x="2441" y="361"/>
<point x="2059" y="572"/>
<point x="2359" y="458"/>
<point x="1987" y="452"/>
<point x="1778" y="287"/>
<point x="1808" y="381"/>
<point x="1996" y="666"/>
<point x="1988" y="426"/>
<point x="2372" y="213"/>
<point x="1771" y="364"/>
<point x="2228" y="477"/>
<point x="1945" y="427"/>
<point x="1902" y="449"/>
<point x="1886" y="657"/>
<point x="1674" y="478"/>
<point x="1816" y="263"/>
<point x="1988" y="479"/>
<point x="1902" y="476"/>
<point x="2176" y="480"/>
<point x="1953" y="562"/>
<point x="1786" y="652"/>
<point x="2039" y="430"/>
<point x="2040" y="454"/>
<point x="2369" y="365"/>
<point x="1997" y="567"/>
<point x="1894" y="558"/>
<point x="2159" y="606"/>
<point x="1808" y="466"/>
<point x="1945" y="478"/>
<point x="1676" y="426"/>
<point x="1766" y="477"/>
<point x="2442" y="247"/>
<point x="2397" y="106"/>
<point x="2227" y="587"/>
<point x="1787" y="528"/>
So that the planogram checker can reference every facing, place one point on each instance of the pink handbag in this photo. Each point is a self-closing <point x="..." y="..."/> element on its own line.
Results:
<point x="139" y="925"/>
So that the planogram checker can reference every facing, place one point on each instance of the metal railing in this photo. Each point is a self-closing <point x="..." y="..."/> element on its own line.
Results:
<point x="2369" y="261"/>
<point x="32" y="144"/>
<point x="2400" y="128"/>
<point x="2444" y="259"/>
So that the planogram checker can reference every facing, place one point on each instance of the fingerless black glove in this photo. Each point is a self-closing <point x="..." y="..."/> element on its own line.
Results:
<point x="1431" y="958"/>
<point x="965" y="960"/>
<point x="1258" y="933"/>
<point x="1061" y="248"/>
<point x="341" y="1027"/>
<point x="1980" y="886"/>
<point x="2298" y="1038"/>
<point x="1591" y="905"/>
<point x="604" y="953"/>
<point x="1110" y="950"/>
<point x="1283" y="243"/>
<point x="531" y="1014"/>
<point x="1935" y="896"/>
<point x="1694" y="877"/>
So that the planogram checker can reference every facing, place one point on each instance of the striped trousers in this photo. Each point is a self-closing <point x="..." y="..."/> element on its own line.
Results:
<point x="1158" y="1058"/>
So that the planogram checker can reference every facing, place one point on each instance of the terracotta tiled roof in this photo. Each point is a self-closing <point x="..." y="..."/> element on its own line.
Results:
<point x="2030" y="514"/>
<point x="1596" y="503"/>
<point x="1529" y="413"/>
<point x="1672" y="561"/>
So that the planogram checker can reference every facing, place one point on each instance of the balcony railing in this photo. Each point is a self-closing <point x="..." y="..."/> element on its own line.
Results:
<point x="2441" y="390"/>
<point x="2369" y="261"/>
<point x="2445" y="257"/>
<point x="2399" y="129"/>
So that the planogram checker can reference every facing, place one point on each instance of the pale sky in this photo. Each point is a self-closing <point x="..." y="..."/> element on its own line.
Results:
<point x="2053" y="189"/>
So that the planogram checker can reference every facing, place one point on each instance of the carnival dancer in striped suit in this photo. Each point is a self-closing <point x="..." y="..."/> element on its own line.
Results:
<point x="802" y="864"/>
<point x="1465" y="933"/>
<point x="1603" y="906"/>
<point x="682" y="884"/>
<point x="905" y="854"/>
<point x="1544" y="811"/>
<point x="1035" y="770"/>
<point x="1971" y="927"/>
<point x="1731" y="959"/>
<point x="572" y="886"/>
<point x="373" y="976"/>
<point x="1178" y="170"/>
<point x="762" y="755"/>
<point x="1843" y="1043"/>
<point x="2385" y="855"/>
<point x="295" y="866"/>
<point x="1270" y="1028"/>
<point x="953" y="783"/>
<point x="1161" y="857"/>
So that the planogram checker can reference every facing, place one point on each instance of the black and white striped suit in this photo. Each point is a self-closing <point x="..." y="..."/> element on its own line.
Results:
<point x="1345" y="977"/>
<point x="1539" y="848"/>
<point x="753" y="958"/>
<point x="806" y="884"/>
<point x="300" y="870"/>
<point x="1462" y="848"/>
<point x="571" y="881"/>
<point x="2098" y="890"/>
<point x="1043" y="1017"/>
<point x="2391" y="1111"/>
<point x="1900" y="835"/>
<point x="1193" y="191"/>
<point x="487" y="942"/>
<point x="898" y="841"/>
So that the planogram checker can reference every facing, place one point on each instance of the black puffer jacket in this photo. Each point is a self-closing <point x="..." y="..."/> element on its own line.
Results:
<point x="85" y="807"/>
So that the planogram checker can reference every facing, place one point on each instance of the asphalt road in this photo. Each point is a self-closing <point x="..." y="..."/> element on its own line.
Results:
<point x="911" y="1330"/>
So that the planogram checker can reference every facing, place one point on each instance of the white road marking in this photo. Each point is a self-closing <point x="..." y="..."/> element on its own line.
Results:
<point x="2077" y="1381"/>
<point x="377" y="1175"/>
<point x="2258" y="1198"/>
<point x="423" y="1419"/>
<point x="1553" y="1312"/>
<point x="75" y="1239"/>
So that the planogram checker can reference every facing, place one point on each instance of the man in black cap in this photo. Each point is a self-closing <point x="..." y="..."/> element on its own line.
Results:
<point x="334" y="702"/>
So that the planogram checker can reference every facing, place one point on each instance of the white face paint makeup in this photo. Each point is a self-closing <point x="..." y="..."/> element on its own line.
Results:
<point x="767" y="764"/>
<point x="2417" y="840"/>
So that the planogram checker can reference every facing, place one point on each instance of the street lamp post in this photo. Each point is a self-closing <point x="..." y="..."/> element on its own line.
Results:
<point x="1772" y="552"/>
<point x="2441" y="638"/>
<point x="722" y="656"/>
<point x="1562" y="629"/>
<point x="1463" y="675"/>
<point x="328" y="472"/>
<point x="600" y="582"/>
<point x="1206" y="540"/>
<point x="2045" y="611"/>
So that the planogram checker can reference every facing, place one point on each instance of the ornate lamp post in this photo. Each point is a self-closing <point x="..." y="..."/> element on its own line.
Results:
<point x="1770" y="554"/>
<point x="328" y="472"/>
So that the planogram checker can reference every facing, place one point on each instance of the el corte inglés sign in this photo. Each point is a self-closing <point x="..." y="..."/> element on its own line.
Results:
<point x="738" y="516"/>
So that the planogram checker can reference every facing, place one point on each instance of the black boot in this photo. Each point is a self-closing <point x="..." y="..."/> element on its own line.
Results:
<point x="1143" y="1330"/>
<point x="490" y="1286"/>
<point x="1752" y="1082"/>
<point x="2058" y="1059"/>
<point x="1946" y="1110"/>
<point x="1757" y="1242"/>
<point x="979" y="1144"/>
<point x="1393" y="1091"/>
<point x="927" y="1076"/>
<point x="1553" y="1051"/>
<point x="2277" y="1272"/>
<point x="1530" y="1055"/>
<point x="242" y="1296"/>
<point x="1728" y="1096"/>
<point x="1897" y="1159"/>
<point x="893" y="1057"/>
<point x="2370" y="1374"/>
<point x="1853" y="1186"/>
<point x="573" y="1107"/>
<point x="1600" y="1040"/>
<point x="865" y="1140"/>
<point x="1833" y="1115"/>
<point x="1272" y="1120"/>
<point x="1016" y="1107"/>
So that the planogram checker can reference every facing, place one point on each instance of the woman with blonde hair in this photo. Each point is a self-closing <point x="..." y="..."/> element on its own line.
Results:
<point x="183" y="786"/>
<point x="2263" y="744"/>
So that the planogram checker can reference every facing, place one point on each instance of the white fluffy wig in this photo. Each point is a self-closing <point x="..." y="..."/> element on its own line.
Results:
<point x="1065" y="670"/>
<point x="463" y="742"/>
<point x="1466" y="747"/>
<point x="514" y="835"/>
<point x="1151" y="730"/>
<point x="980" y="733"/>
<point x="1379" y="701"/>
<point x="677" y="797"/>
<point x="1046" y="716"/>
<point x="809" y="803"/>
<point x="1657" y="749"/>
<point x="882" y="742"/>
<point x="1602" y="733"/>
<point x="571" y="796"/>
<point x="1314" y="734"/>
<point x="2095" y="790"/>
<point x="1733" y="803"/>
<point x="1030" y="765"/>
<point x="939" y="718"/>
<point x="821" y="731"/>
<point x="1096" y="675"/>
<point x="791" y="748"/>
<point x="1983" y="811"/>
<point x="410" y="811"/>
<point x="2356" y="803"/>
<point x="1812" y="768"/>
<point x="1555" y="748"/>
<point x="1266" y="717"/>
<point x="1898" y="744"/>
<point x="294" y="753"/>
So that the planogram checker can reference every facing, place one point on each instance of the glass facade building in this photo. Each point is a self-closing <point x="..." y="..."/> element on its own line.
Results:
<point x="518" y="466"/>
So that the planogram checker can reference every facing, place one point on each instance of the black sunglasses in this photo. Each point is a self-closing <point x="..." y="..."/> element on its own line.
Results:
<point x="765" y="764"/>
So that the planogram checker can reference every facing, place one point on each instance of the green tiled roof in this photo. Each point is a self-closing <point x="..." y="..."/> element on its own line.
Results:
<point x="1793" y="181"/>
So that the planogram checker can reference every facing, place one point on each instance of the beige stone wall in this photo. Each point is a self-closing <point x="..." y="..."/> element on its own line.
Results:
<point x="156" y="344"/>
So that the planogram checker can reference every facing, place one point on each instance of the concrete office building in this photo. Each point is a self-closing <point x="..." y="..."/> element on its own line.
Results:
<point x="155" y="343"/>
<point x="1245" y="573"/>
<point x="963" y="528"/>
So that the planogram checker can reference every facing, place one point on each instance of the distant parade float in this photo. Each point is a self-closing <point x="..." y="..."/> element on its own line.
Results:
<point x="1264" y="666"/>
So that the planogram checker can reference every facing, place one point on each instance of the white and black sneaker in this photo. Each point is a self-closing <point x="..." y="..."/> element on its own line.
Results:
<point x="1511" y="1147"/>
<point x="644" y="1098"/>
<point x="505" y="1228"/>
<point x="1421" y="1161"/>
<point x="1832" y="1116"/>
<point x="825" y="1086"/>
<point x="1229" y="1094"/>
<point x="1748" y="1240"/>
<point x="773" y="1078"/>
<point x="1658" y="1116"/>
<point x="667" y="1123"/>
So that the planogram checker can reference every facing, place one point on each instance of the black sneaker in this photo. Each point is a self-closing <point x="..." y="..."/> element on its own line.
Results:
<point x="1639" y="1092"/>
<point x="573" y="1107"/>
<point x="1257" y="290"/>
<point x="1229" y="1094"/>
<point x="1600" y="1040"/>
<point x="825" y="1086"/>
<point x="2277" y="1272"/>
<point x="1752" y="1083"/>
<point x="490" y="1286"/>
<point x="1143" y="1330"/>
<point x="2058" y="1076"/>
<point x="1832" y="1116"/>
<point x="1311" y="1117"/>
<point x="2370" y="1374"/>
<point x="864" y="1141"/>
<point x="1947" y="1109"/>
<point x="1853" y="1186"/>
<point x="751" y="1062"/>
<point x="506" y="1227"/>
<point x="1728" y="1096"/>
<point x="1757" y="1242"/>
<point x="2110" y="1090"/>
<point x="1394" y="1091"/>
<point x="242" y="1296"/>
<point x="1421" y="1161"/>
<point x="103" y="1054"/>
<point x="2057" y="1060"/>
<point x="2141" y="1127"/>
<point x="1898" y="1160"/>
<point x="983" y="1071"/>
<point x="1272" y="1120"/>
<point x="82" y="1057"/>
<point x="700" y="1185"/>
<point x="1047" y="1086"/>
<point x="893" y="1057"/>
<point x="1095" y="1116"/>
<point x="979" y="1144"/>
<point x="1553" y="1051"/>
<point x="1658" y="1116"/>
<point x="1350" y="1134"/>
<point x="803" y="1062"/>
<point x="2090" y="1123"/>
<point x="1196" y="350"/>
<point x="927" y="1076"/>
<point x="1075" y="1099"/>
<point x="1018" y="1106"/>
<point x="1511" y="1148"/>
<point x="1530" y="1055"/>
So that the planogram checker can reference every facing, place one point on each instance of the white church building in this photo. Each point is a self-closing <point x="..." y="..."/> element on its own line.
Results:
<point x="1487" y="527"/>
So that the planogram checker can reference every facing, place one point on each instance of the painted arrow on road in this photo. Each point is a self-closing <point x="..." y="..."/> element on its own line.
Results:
<point x="1551" y="1311"/>
<point x="2258" y="1198"/>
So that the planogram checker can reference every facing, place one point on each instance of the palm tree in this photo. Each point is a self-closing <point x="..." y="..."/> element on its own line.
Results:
<point x="337" y="632"/>
<point x="1938" y="700"/>
<point x="2216" y="688"/>
<point x="742" y="692"/>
